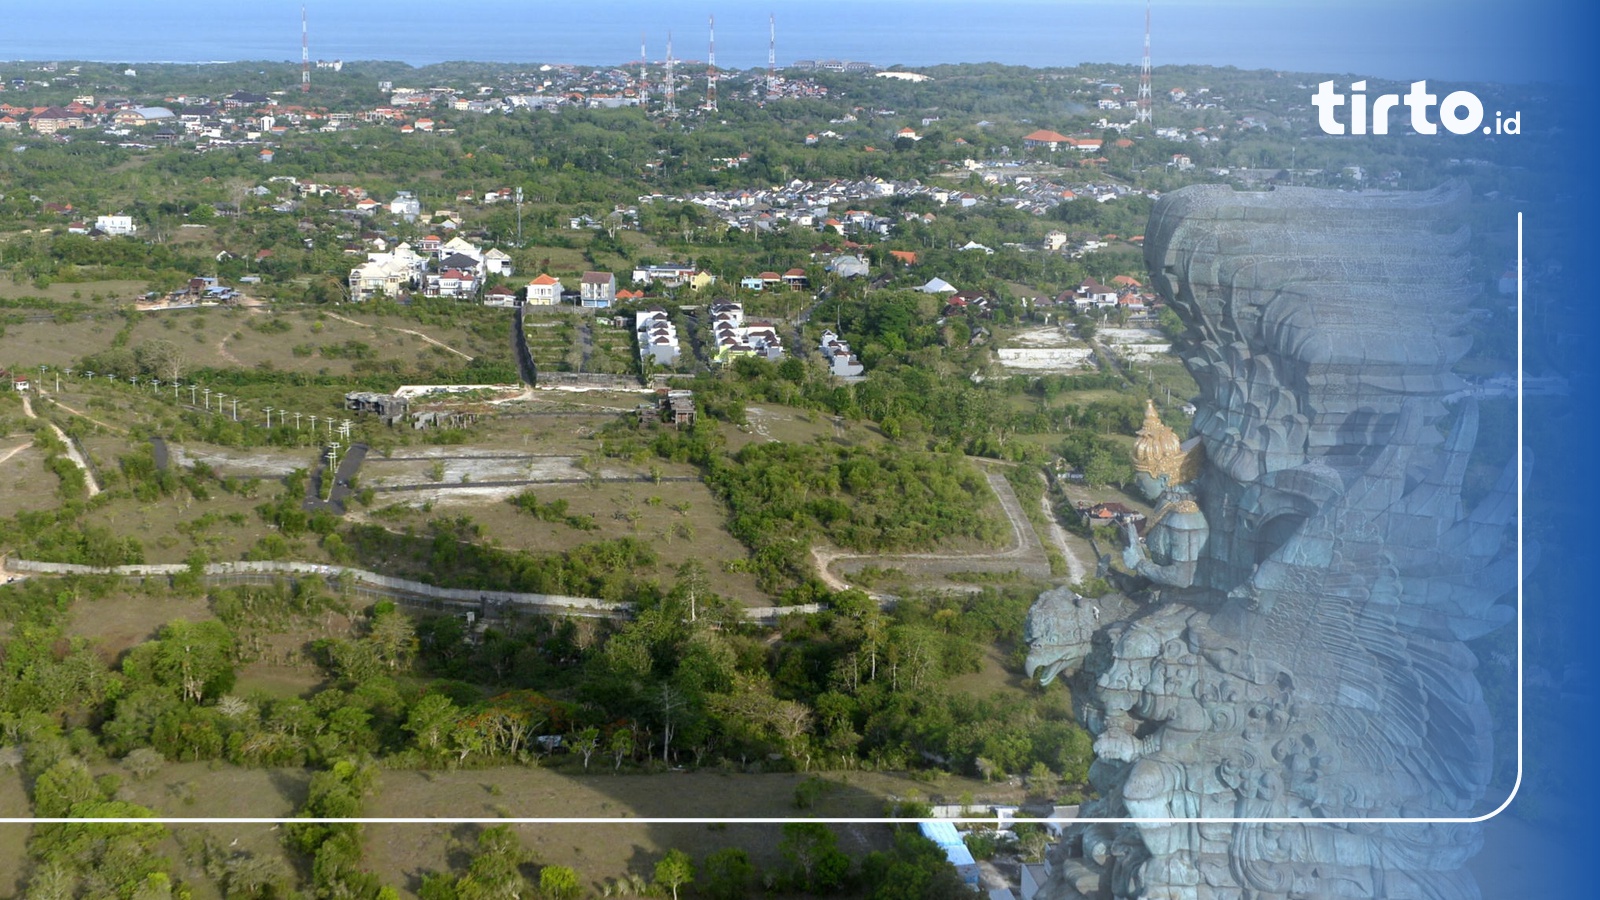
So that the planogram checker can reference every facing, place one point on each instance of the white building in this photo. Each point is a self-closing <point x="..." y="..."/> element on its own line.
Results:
<point x="544" y="291"/>
<point x="657" y="336"/>
<point x="116" y="225"/>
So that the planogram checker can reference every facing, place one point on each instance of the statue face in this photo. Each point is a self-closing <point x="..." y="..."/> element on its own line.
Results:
<point x="1059" y="630"/>
<point x="1150" y="487"/>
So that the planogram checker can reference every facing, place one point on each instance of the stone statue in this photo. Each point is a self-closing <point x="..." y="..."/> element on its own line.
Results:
<point x="1177" y="532"/>
<point x="1318" y="573"/>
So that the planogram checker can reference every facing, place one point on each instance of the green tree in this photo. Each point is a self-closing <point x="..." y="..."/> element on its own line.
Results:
<point x="674" y="871"/>
<point x="728" y="874"/>
<point x="559" y="883"/>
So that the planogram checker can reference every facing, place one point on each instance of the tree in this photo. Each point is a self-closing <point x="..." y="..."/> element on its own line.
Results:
<point x="585" y="743"/>
<point x="674" y="871"/>
<point x="812" y="850"/>
<point x="394" y="637"/>
<point x="195" y="658"/>
<point x="559" y="883"/>
<point x="728" y="874"/>
<point x="621" y="746"/>
<point x="495" y="872"/>
<point x="431" y="720"/>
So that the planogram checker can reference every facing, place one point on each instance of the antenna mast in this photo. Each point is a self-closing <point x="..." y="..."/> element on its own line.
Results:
<point x="644" y="74"/>
<point x="772" y="56"/>
<point x="1144" y="70"/>
<point x="711" y="69"/>
<point x="305" y="54"/>
<point x="672" y="94"/>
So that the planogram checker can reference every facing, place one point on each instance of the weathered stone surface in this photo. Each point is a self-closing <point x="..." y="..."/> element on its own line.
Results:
<point x="1300" y="653"/>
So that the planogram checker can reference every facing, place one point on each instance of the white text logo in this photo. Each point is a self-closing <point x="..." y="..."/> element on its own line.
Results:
<point x="1460" y="112"/>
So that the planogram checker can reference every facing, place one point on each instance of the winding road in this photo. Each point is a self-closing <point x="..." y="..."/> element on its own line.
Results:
<point x="72" y="448"/>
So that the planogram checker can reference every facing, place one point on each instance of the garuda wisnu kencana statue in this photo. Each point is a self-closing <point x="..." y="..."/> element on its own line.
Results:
<point x="1313" y="572"/>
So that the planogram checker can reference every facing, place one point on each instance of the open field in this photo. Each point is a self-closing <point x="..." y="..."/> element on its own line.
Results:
<point x="25" y="484"/>
<point x="112" y="292"/>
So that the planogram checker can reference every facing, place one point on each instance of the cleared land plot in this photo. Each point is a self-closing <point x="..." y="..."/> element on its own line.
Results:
<point x="161" y="526"/>
<point x="25" y="484"/>
<point x="110" y="292"/>
<point x="32" y="344"/>
<point x="308" y="341"/>
<point x="518" y="791"/>
<point x="767" y="423"/>
<point x="1135" y="344"/>
<point x="233" y="463"/>
<point x="124" y="619"/>
<point x="680" y="520"/>
<point x="553" y="340"/>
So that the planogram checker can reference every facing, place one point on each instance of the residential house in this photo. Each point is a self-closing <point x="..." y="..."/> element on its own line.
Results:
<point x="597" y="290"/>
<point x="657" y="336"/>
<point x="795" y="279"/>
<point x="498" y="262"/>
<point x="456" y="283"/>
<point x="670" y="274"/>
<point x="937" y="286"/>
<point x="848" y="266"/>
<point x="500" y="295"/>
<point x="733" y="337"/>
<point x="544" y="291"/>
<point x="117" y="226"/>
<point x="1048" y="140"/>
<point x="1092" y="293"/>
<point x="387" y="273"/>
<point x="406" y="206"/>
<point x="841" y="361"/>
<point x="55" y="118"/>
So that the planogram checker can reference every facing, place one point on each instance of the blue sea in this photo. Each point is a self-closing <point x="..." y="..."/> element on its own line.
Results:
<point x="1492" y="40"/>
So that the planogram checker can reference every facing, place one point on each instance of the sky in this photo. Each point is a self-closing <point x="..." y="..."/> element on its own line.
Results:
<point x="1480" y="39"/>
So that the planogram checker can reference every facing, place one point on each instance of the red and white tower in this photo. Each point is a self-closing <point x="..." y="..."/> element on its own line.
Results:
<point x="305" y="54"/>
<point x="772" y="56"/>
<point x="1144" y="70"/>
<point x="711" y="69"/>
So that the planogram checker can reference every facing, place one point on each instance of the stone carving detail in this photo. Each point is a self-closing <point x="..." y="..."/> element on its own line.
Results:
<point x="1298" y="650"/>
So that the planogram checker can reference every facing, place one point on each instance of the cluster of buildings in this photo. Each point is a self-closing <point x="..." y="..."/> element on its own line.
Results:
<point x="455" y="268"/>
<point x="823" y="206"/>
<point x="837" y="354"/>
<point x="732" y="337"/>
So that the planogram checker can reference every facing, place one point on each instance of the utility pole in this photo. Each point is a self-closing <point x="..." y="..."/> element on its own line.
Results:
<point x="519" y="216"/>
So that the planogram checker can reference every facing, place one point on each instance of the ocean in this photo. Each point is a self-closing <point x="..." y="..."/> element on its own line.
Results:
<point x="1492" y="40"/>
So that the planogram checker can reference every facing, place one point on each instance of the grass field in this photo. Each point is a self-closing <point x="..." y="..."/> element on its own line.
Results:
<point x="112" y="293"/>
